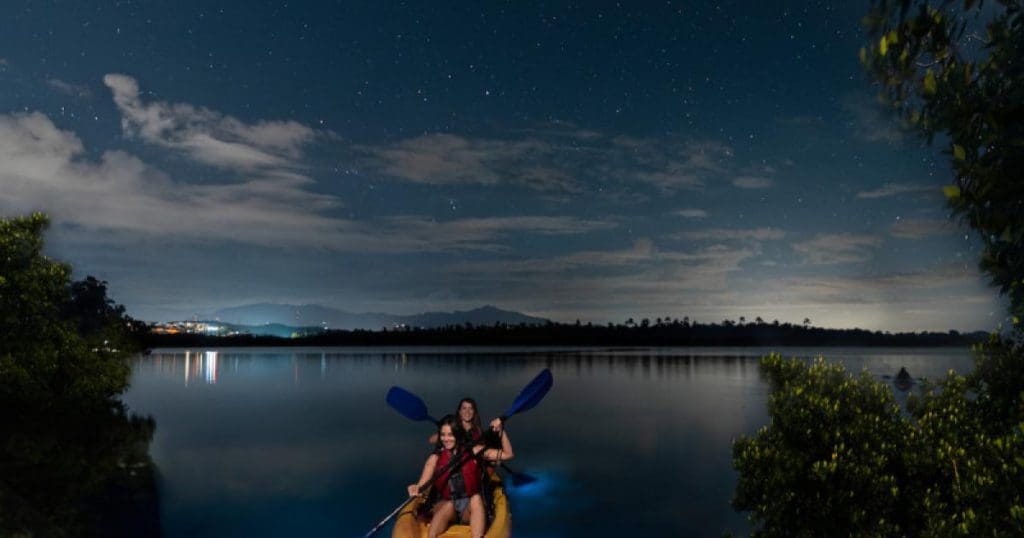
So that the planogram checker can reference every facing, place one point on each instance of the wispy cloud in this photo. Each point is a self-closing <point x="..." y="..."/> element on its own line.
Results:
<point x="46" y="168"/>
<point x="731" y="234"/>
<point x="67" y="88"/>
<point x="208" y="136"/>
<point x="837" y="248"/>
<point x="870" y="121"/>
<point x="873" y="287"/>
<point x="672" y="165"/>
<point x="640" y="274"/>
<point x="560" y="161"/>
<point x="447" y="159"/>
<point x="920" y="228"/>
<point x="894" y="189"/>
<point x="752" y="182"/>
<point x="425" y="234"/>
<point x="120" y="195"/>
<point x="692" y="213"/>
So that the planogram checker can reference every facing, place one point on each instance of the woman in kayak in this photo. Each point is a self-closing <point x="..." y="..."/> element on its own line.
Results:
<point x="469" y="420"/>
<point x="460" y="487"/>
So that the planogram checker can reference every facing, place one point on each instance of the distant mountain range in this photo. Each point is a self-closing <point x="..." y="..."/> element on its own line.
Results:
<point x="313" y="315"/>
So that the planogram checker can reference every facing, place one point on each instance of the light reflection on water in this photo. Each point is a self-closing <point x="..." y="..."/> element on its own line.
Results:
<point x="266" y="442"/>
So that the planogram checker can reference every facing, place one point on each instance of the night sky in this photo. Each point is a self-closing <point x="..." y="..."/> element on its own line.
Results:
<point x="573" y="160"/>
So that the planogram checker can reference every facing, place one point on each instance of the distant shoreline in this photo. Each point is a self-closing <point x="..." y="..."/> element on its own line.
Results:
<point x="694" y="335"/>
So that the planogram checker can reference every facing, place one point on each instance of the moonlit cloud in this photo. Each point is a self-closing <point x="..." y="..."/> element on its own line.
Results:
<point x="731" y="234"/>
<point x="206" y="135"/>
<point x="692" y="213"/>
<point x="920" y="228"/>
<point x="894" y="189"/>
<point x="548" y="164"/>
<point x="449" y="159"/>
<point x="67" y="88"/>
<point x="870" y="121"/>
<point x="47" y="168"/>
<point x="593" y="283"/>
<point x="752" y="182"/>
<point x="827" y="249"/>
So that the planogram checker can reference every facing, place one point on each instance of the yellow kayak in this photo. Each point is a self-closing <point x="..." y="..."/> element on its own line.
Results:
<point x="408" y="526"/>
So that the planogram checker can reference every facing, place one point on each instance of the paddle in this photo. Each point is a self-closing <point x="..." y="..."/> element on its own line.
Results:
<point x="412" y="407"/>
<point x="451" y="465"/>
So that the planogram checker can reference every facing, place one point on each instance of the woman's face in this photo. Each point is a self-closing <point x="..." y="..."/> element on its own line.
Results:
<point x="466" y="412"/>
<point x="447" y="437"/>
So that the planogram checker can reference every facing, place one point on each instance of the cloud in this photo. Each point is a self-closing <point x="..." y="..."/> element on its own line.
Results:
<point x="555" y="162"/>
<point x="672" y="165"/>
<point x="124" y="198"/>
<point x="45" y="168"/>
<point x="870" y="121"/>
<point x="440" y="159"/>
<point x="692" y="213"/>
<point x="425" y="234"/>
<point x="920" y="228"/>
<point x="74" y="90"/>
<point x="640" y="274"/>
<point x="826" y="249"/>
<point x="871" y="288"/>
<point x="731" y="234"/>
<point x="208" y="136"/>
<point x="752" y="182"/>
<point x="893" y="189"/>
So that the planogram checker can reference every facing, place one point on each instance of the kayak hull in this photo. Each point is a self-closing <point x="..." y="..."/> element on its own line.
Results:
<point x="407" y="525"/>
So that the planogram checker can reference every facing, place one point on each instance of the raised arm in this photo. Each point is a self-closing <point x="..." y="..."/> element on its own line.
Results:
<point x="497" y="455"/>
<point x="425" y="476"/>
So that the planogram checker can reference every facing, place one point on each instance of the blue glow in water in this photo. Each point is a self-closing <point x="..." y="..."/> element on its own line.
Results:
<point x="541" y="487"/>
<point x="303" y="444"/>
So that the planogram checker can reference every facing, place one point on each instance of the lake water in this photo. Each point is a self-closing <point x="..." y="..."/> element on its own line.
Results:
<point x="300" y="442"/>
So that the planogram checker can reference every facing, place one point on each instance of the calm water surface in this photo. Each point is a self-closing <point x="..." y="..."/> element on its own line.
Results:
<point x="629" y="442"/>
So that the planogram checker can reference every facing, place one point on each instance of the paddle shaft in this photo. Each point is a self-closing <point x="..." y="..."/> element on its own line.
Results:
<point x="455" y="463"/>
<point x="413" y="407"/>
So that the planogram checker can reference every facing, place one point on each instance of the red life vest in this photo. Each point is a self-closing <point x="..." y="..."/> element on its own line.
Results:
<point x="463" y="485"/>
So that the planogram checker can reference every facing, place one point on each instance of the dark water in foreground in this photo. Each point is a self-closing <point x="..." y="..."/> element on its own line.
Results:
<point x="299" y="442"/>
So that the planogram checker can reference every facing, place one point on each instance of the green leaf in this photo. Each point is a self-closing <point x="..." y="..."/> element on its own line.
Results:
<point x="958" y="152"/>
<point x="883" y="45"/>
<point x="930" y="87"/>
<point x="952" y="192"/>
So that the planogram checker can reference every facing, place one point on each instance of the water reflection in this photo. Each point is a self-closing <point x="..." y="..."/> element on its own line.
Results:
<point x="83" y="472"/>
<point x="267" y="442"/>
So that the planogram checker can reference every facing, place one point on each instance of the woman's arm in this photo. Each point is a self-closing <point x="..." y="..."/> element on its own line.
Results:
<point x="428" y="472"/>
<point x="496" y="455"/>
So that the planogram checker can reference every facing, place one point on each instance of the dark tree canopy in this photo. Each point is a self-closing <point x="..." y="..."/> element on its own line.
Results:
<point x="838" y="458"/>
<point x="956" y="69"/>
<point x="62" y="342"/>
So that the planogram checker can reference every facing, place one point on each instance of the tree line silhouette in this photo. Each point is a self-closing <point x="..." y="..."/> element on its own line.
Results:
<point x="662" y="332"/>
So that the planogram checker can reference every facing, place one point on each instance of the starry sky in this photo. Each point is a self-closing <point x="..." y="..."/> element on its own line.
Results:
<point x="573" y="160"/>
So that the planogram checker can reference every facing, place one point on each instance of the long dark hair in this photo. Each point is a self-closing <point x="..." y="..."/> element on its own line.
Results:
<point x="476" y="416"/>
<point x="455" y="424"/>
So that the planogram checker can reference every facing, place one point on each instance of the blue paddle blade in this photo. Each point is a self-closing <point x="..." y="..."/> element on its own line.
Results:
<point x="532" y="394"/>
<point x="408" y="404"/>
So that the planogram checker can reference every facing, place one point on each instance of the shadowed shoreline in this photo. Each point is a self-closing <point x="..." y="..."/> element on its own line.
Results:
<point x="665" y="334"/>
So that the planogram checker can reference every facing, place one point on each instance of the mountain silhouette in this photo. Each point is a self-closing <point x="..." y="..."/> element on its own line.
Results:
<point x="314" y="315"/>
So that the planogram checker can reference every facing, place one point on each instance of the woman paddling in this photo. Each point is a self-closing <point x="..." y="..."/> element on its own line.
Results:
<point x="459" y="489"/>
<point x="469" y="420"/>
